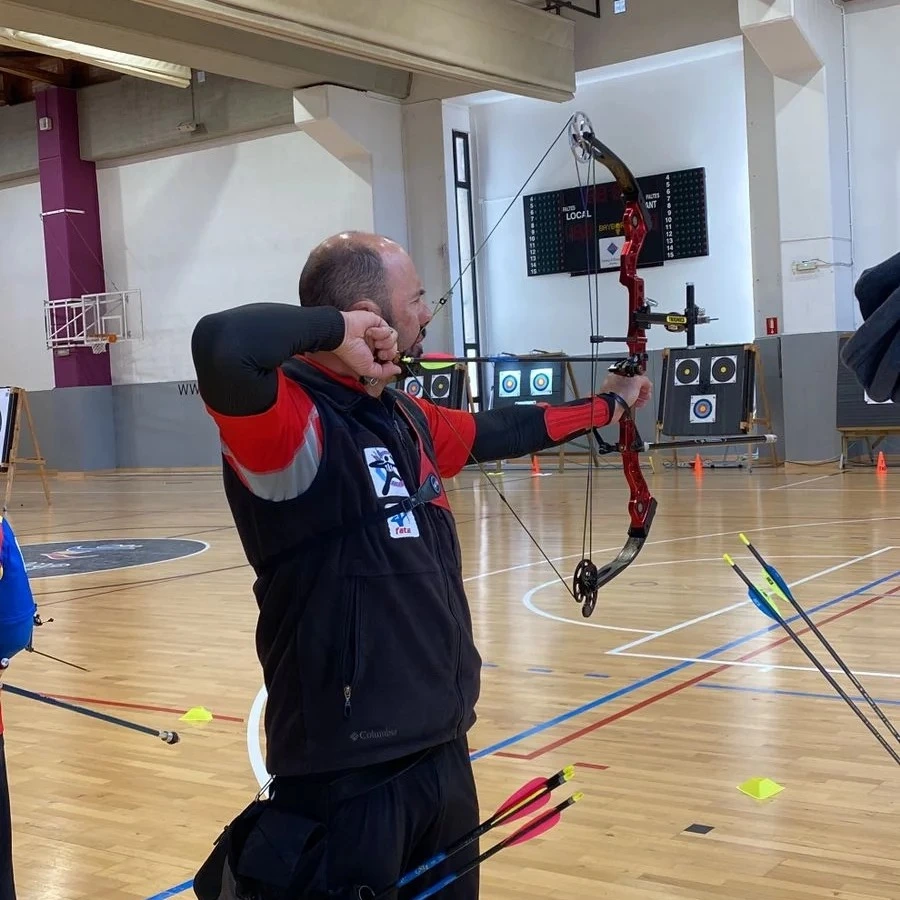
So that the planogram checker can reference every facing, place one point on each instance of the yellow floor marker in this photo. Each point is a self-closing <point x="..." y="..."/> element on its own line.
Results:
<point x="760" y="788"/>
<point x="197" y="714"/>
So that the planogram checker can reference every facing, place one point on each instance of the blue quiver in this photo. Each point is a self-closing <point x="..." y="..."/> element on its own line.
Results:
<point x="17" y="606"/>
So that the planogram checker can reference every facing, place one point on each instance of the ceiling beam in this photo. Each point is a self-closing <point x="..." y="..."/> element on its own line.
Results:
<point x="34" y="73"/>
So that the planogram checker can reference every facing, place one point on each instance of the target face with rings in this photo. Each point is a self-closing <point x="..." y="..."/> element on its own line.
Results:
<point x="703" y="409"/>
<point x="509" y="384"/>
<point x="440" y="386"/>
<point x="413" y="387"/>
<point x="541" y="382"/>
<point x="687" y="371"/>
<point x="724" y="369"/>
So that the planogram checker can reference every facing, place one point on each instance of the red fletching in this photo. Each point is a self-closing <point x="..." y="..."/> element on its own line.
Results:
<point x="534" y="829"/>
<point x="524" y="796"/>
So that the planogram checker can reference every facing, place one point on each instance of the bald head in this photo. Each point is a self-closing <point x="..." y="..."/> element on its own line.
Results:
<point x="358" y="270"/>
<point x="347" y="269"/>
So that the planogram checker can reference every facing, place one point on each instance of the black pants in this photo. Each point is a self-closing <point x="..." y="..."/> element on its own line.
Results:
<point x="378" y="836"/>
<point x="7" y="883"/>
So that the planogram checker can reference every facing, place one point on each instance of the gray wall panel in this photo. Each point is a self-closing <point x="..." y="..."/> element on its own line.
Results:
<point x="769" y="393"/>
<point x="809" y="383"/>
<point x="75" y="428"/>
<point x="163" y="425"/>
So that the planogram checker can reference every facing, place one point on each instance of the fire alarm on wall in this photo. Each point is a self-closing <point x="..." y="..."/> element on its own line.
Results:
<point x="45" y="123"/>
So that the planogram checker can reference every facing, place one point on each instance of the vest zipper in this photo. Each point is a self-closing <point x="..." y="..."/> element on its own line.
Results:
<point x="350" y="657"/>
<point x="419" y="450"/>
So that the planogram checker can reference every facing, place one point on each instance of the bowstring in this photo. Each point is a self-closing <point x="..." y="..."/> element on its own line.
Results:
<point x="590" y="235"/>
<point x="442" y="302"/>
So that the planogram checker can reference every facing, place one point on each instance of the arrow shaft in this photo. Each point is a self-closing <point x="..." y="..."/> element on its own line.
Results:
<point x="103" y="717"/>
<point x="825" y="673"/>
<point x="504" y="813"/>
<point x="515" y="837"/>
<point x="712" y="442"/>
<point x="825" y="643"/>
<point x="65" y="662"/>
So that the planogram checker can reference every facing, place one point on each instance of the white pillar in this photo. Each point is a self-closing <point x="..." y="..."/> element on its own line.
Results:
<point x="801" y="42"/>
<point x="365" y="132"/>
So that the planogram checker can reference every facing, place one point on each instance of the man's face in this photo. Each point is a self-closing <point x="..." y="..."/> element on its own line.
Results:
<point x="409" y="313"/>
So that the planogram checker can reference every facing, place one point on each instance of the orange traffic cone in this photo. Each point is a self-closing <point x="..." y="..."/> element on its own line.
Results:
<point x="535" y="466"/>
<point x="698" y="465"/>
<point x="882" y="465"/>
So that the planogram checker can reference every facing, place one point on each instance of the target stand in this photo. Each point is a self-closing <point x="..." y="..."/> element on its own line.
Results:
<point x="442" y="382"/>
<point x="13" y="403"/>
<point x="543" y="376"/>
<point x="711" y="391"/>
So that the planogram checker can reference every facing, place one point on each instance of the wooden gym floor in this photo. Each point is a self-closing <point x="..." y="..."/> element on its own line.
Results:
<point x="672" y="694"/>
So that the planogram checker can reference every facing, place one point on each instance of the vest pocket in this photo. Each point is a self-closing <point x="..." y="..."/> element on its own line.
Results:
<point x="350" y="643"/>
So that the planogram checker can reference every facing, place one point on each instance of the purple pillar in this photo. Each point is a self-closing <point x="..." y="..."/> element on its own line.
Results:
<point x="71" y="216"/>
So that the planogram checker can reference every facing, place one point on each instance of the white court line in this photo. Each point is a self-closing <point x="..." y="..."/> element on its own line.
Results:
<point x="528" y="600"/>
<point x="693" y="537"/>
<point x="254" y="748"/>
<point x="765" y="667"/>
<point x="784" y="487"/>
<point x="718" y="612"/>
<point x="529" y="604"/>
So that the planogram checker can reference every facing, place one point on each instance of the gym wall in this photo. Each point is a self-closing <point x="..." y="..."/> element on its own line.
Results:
<point x="639" y="111"/>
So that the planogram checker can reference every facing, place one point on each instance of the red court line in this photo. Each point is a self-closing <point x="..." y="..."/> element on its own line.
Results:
<point x="583" y="765"/>
<point x="547" y="748"/>
<point x="143" y="706"/>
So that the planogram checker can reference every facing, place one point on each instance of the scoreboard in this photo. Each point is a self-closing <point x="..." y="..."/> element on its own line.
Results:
<point x="579" y="229"/>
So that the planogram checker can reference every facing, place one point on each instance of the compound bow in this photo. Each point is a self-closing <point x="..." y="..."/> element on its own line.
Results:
<point x="588" y="578"/>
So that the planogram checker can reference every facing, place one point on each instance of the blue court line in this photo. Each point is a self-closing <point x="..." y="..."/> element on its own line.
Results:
<point x="643" y="682"/>
<point x="171" y="892"/>
<point x="628" y="689"/>
<point x="756" y="690"/>
<point x="543" y="670"/>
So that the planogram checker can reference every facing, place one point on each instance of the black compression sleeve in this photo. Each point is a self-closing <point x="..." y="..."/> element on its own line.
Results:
<point x="237" y="352"/>
<point x="514" y="431"/>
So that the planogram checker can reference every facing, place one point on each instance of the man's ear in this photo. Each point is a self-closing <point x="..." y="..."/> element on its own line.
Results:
<point x="366" y="305"/>
<point x="370" y="306"/>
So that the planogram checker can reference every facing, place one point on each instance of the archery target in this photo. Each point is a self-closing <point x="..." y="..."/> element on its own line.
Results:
<point x="703" y="409"/>
<point x="723" y="369"/>
<point x="687" y="371"/>
<point x="440" y="387"/>
<point x="7" y="408"/>
<point x="541" y="382"/>
<point x="510" y="383"/>
<point x="413" y="387"/>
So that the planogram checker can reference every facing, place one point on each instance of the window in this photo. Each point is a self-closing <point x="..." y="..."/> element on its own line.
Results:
<point x="467" y="264"/>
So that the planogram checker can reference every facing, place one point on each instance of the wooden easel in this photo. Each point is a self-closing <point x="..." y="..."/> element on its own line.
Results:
<point x="19" y="398"/>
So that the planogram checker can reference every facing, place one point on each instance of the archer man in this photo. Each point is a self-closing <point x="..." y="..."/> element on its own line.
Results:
<point x="334" y="480"/>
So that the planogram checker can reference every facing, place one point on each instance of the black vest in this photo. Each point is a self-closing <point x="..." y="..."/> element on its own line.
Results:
<point x="364" y="631"/>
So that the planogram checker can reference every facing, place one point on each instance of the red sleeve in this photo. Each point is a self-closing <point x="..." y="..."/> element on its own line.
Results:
<point x="575" y="418"/>
<point x="276" y="453"/>
<point x="453" y="435"/>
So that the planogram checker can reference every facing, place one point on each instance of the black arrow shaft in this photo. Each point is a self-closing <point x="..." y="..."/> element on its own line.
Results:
<point x="170" y="737"/>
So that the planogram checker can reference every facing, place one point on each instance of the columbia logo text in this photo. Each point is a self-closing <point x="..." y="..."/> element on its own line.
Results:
<point x="373" y="735"/>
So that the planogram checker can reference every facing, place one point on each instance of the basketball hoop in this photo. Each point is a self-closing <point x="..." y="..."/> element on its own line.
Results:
<point x="94" y="320"/>
<point x="99" y="343"/>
